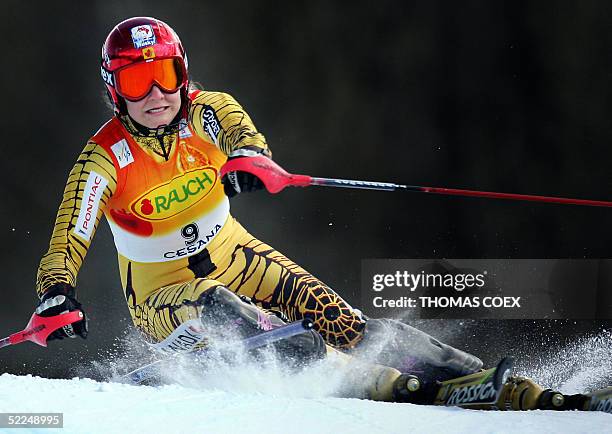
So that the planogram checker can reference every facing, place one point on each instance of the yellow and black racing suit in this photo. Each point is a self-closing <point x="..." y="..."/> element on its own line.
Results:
<point x="176" y="239"/>
<point x="172" y="226"/>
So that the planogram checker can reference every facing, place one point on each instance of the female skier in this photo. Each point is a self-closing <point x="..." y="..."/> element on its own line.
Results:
<point x="153" y="171"/>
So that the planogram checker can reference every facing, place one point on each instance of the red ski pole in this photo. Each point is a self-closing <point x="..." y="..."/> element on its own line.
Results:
<point x="275" y="178"/>
<point x="40" y="327"/>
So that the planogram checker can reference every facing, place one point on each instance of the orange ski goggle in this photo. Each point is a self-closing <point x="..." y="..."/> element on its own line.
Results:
<point x="134" y="82"/>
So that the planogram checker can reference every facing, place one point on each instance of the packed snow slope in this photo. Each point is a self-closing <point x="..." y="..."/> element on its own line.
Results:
<point x="102" y="407"/>
<point x="236" y="394"/>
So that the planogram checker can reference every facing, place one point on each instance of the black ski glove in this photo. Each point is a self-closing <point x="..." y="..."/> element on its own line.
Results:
<point x="238" y="182"/>
<point x="61" y="299"/>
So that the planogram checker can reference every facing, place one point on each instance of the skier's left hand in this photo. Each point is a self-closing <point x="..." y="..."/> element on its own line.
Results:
<point x="239" y="182"/>
<point x="61" y="300"/>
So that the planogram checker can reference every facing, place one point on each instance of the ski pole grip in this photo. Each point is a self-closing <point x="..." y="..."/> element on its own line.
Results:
<point x="274" y="177"/>
<point x="39" y="327"/>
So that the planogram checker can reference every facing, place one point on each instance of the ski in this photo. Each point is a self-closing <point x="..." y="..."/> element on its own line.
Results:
<point x="481" y="390"/>
<point x="470" y="391"/>
<point x="185" y="339"/>
<point x="597" y="400"/>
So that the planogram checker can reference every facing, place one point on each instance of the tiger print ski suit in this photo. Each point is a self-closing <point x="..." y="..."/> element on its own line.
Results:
<point x="172" y="226"/>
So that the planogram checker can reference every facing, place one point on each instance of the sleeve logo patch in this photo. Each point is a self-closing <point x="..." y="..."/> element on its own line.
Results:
<point x="143" y="36"/>
<point x="122" y="151"/>
<point x="211" y="124"/>
<point x="90" y="203"/>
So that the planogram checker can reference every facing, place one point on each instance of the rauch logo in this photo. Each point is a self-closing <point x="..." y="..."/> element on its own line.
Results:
<point x="184" y="191"/>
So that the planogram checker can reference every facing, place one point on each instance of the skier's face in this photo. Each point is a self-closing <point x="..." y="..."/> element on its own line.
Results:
<point x="156" y="109"/>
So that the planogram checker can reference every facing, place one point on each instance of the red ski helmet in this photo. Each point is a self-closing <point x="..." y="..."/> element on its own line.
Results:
<point x="141" y="52"/>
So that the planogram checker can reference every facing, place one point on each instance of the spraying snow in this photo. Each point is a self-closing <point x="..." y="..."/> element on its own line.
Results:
<point x="581" y="365"/>
<point x="237" y="395"/>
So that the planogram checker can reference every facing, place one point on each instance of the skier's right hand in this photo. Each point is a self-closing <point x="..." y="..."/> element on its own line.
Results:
<point x="61" y="300"/>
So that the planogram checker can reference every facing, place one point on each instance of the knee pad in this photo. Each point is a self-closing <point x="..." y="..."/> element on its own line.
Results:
<point x="225" y="311"/>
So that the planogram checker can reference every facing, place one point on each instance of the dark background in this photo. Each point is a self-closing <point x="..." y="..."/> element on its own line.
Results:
<point x="509" y="96"/>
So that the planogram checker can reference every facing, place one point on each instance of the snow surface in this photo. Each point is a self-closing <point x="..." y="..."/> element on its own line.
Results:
<point x="239" y="395"/>
<point x="103" y="407"/>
